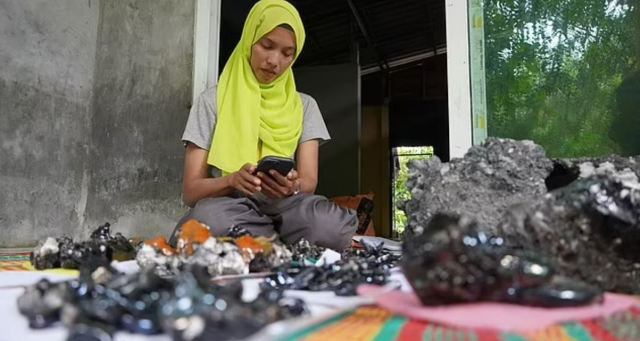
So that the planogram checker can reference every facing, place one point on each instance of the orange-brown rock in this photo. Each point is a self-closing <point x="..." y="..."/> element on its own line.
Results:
<point x="192" y="232"/>
<point x="161" y="245"/>
<point x="249" y="247"/>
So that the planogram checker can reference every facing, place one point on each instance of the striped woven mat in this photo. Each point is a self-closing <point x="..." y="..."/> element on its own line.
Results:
<point x="19" y="261"/>
<point x="377" y="324"/>
<point x="14" y="261"/>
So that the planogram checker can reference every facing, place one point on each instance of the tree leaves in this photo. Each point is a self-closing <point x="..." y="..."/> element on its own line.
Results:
<point x="552" y="70"/>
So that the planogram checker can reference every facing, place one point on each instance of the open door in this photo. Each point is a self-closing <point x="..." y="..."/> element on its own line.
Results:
<point x="336" y="88"/>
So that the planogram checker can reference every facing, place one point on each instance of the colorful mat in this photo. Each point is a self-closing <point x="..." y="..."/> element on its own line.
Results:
<point x="376" y="324"/>
<point x="14" y="261"/>
<point x="19" y="261"/>
<point x="494" y="316"/>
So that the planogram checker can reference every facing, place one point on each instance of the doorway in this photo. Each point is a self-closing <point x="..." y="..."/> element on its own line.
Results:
<point x="399" y="50"/>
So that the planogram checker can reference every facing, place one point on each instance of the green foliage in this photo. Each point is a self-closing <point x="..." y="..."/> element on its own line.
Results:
<point x="401" y="193"/>
<point x="552" y="70"/>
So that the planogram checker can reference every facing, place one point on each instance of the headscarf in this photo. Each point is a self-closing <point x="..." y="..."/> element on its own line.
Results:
<point x="256" y="120"/>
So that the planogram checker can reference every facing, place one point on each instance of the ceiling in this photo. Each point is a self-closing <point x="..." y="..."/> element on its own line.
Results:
<point x="388" y="32"/>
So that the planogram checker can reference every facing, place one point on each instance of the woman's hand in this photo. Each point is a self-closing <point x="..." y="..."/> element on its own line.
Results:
<point x="279" y="186"/>
<point x="244" y="181"/>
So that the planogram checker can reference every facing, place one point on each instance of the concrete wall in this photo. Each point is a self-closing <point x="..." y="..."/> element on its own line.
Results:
<point x="336" y="89"/>
<point x="93" y="99"/>
<point x="142" y="94"/>
<point x="47" y="59"/>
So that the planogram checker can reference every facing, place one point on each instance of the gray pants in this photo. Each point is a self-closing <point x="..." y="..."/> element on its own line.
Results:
<point x="307" y="216"/>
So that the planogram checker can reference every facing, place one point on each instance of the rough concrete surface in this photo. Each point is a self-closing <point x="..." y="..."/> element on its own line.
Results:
<point x="93" y="100"/>
<point x="141" y="97"/>
<point x="47" y="60"/>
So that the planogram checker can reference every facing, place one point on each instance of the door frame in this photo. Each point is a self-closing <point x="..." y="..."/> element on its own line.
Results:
<point x="207" y="51"/>
<point x="458" y="78"/>
<point x="206" y="45"/>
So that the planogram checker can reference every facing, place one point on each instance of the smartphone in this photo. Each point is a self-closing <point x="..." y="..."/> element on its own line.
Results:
<point x="280" y="164"/>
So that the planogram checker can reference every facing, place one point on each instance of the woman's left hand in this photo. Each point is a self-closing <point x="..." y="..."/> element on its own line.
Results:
<point x="277" y="186"/>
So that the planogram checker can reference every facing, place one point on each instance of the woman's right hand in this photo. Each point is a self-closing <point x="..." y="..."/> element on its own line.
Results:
<point x="244" y="181"/>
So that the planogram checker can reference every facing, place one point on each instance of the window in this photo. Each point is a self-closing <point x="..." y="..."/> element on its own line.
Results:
<point x="563" y="73"/>
<point x="401" y="156"/>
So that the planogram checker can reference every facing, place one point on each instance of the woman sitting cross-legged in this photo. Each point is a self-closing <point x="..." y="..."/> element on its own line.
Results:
<point x="256" y="111"/>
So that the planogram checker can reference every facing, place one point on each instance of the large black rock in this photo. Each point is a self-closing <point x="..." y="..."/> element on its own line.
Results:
<point x="64" y="252"/>
<point x="482" y="184"/>
<point x="457" y="261"/>
<point x="591" y="228"/>
<point x="584" y="214"/>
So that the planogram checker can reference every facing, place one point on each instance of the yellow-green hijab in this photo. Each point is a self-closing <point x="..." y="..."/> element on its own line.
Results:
<point x="256" y="120"/>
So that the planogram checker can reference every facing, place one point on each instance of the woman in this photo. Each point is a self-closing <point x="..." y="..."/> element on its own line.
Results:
<point x="255" y="111"/>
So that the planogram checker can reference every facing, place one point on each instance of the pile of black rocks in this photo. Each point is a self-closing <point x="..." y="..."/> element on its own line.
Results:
<point x="583" y="214"/>
<point x="187" y="307"/>
<point x="458" y="261"/>
<point x="303" y="250"/>
<point x="370" y="265"/>
<point x="63" y="252"/>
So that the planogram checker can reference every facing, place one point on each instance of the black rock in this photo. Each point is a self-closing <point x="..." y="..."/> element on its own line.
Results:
<point x="42" y="302"/>
<point x="455" y="261"/>
<point x="260" y="263"/>
<point x="237" y="232"/>
<point x="591" y="228"/>
<point x="189" y="306"/>
<point x="46" y="255"/>
<point x="72" y="255"/>
<point x="368" y="266"/>
<point x="220" y="310"/>
<point x="64" y="241"/>
<point x="91" y="331"/>
<point x="302" y="250"/>
<point x="482" y="184"/>
<point x="121" y="247"/>
<point x="581" y="213"/>
<point x="102" y="233"/>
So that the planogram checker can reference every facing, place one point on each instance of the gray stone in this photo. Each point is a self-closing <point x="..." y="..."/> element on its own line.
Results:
<point x="482" y="184"/>
<point x="606" y="165"/>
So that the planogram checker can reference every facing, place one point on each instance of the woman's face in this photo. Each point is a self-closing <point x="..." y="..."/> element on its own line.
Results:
<point x="273" y="54"/>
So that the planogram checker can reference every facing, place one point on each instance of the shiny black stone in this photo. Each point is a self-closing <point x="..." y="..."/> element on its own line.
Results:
<point x="102" y="300"/>
<point x="102" y="233"/>
<point x="366" y="266"/>
<point x="74" y="254"/>
<point x="260" y="263"/>
<point x="303" y="250"/>
<point x="237" y="232"/>
<point x="455" y="261"/>
<point x="42" y="302"/>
